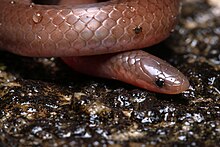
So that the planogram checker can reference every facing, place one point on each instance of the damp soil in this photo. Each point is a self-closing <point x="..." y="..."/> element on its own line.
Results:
<point x="44" y="103"/>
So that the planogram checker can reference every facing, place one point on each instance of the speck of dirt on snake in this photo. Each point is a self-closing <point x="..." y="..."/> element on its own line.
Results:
<point x="138" y="30"/>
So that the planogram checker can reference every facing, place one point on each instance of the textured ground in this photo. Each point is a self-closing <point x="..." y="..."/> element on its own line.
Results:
<point x="43" y="102"/>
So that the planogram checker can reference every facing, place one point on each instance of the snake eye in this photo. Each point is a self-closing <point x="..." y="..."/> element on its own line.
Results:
<point x="160" y="82"/>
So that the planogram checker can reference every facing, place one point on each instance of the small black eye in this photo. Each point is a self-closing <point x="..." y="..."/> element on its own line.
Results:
<point x="160" y="82"/>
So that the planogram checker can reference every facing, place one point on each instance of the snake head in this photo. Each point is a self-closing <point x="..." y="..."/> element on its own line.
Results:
<point x="138" y="68"/>
<point x="159" y="76"/>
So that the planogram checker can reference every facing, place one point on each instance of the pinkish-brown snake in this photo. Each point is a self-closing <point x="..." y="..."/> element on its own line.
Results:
<point x="81" y="34"/>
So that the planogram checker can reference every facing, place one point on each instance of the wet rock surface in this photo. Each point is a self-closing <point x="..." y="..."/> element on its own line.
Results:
<point x="45" y="103"/>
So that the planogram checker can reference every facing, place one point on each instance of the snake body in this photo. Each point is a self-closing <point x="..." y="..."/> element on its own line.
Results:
<point x="82" y="34"/>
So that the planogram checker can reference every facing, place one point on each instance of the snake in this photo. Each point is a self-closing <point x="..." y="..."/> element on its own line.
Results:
<point x="99" y="38"/>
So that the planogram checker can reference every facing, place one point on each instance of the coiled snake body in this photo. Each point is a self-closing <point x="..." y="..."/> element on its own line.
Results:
<point x="82" y="34"/>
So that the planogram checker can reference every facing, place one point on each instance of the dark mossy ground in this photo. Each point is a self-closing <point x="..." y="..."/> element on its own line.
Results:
<point x="45" y="103"/>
